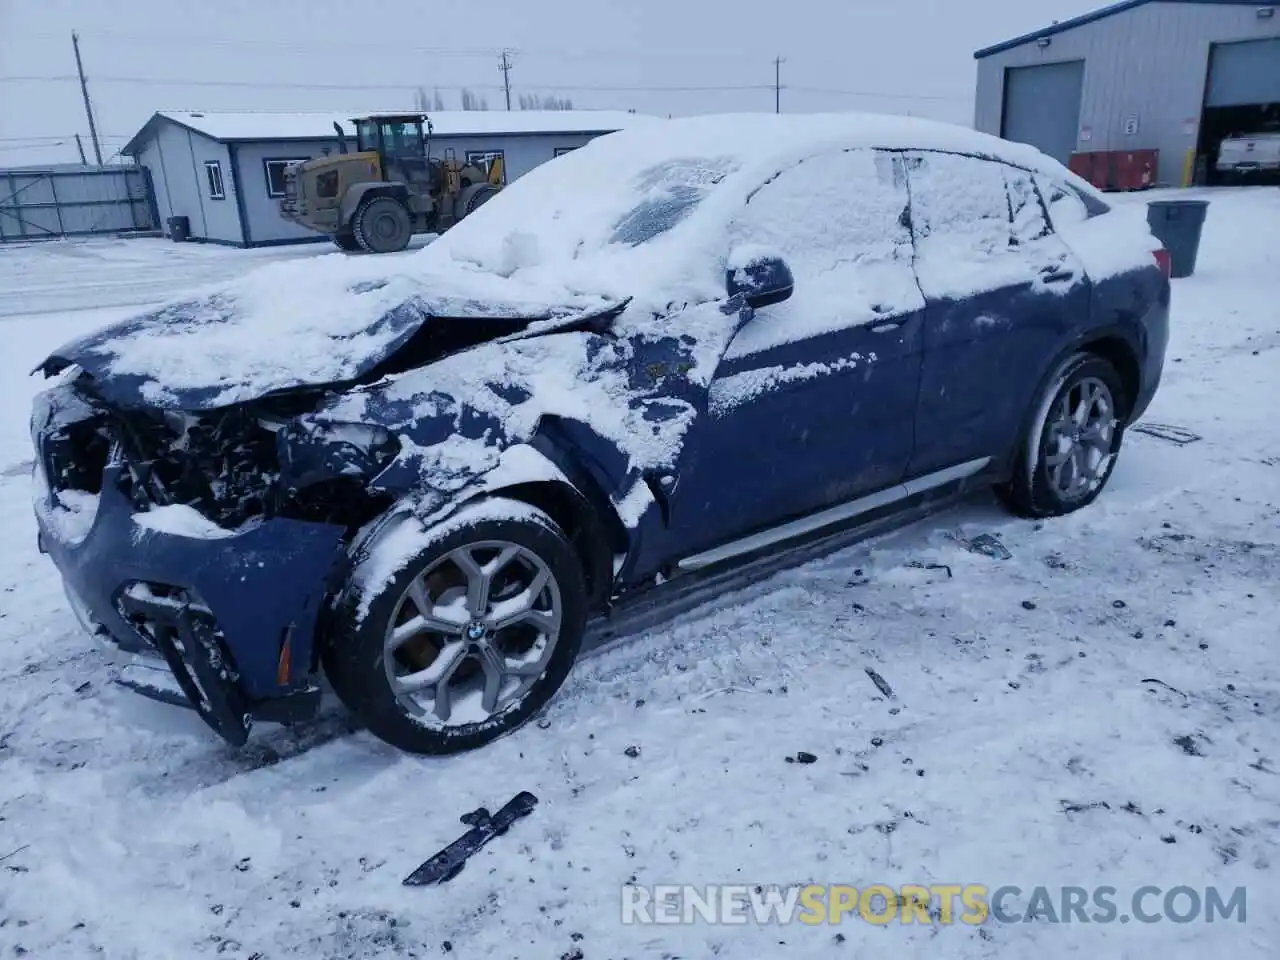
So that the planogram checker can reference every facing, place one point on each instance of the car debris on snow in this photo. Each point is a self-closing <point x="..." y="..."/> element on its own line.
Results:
<point x="881" y="683"/>
<point x="1164" y="431"/>
<point x="988" y="545"/>
<point x="448" y="863"/>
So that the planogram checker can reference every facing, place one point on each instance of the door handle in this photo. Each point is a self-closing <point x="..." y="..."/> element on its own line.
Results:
<point x="1056" y="275"/>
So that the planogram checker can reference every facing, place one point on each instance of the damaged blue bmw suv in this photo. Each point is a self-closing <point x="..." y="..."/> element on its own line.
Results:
<point x="681" y="349"/>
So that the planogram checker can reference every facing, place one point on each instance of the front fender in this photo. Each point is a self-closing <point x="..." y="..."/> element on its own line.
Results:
<point x="590" y="521"/>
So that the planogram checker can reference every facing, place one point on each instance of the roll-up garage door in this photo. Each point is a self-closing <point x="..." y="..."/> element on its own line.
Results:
<point x="1042" y="106"/>
<point x="1242" y="73"/>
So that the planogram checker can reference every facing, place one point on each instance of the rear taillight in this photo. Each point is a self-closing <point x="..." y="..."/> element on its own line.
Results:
<point x="1165" y="262"/>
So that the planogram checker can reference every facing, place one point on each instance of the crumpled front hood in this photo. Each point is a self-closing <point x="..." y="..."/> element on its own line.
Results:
<point x="311" y="322"/>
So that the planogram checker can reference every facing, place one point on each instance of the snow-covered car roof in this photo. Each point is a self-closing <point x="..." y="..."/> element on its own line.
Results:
<point x="592" y="219"/>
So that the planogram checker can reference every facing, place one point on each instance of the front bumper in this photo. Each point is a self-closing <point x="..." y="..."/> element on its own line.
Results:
<point x="234" y="614"/>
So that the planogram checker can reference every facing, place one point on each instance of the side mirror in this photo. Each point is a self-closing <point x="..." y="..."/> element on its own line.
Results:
<point x="761" y="278"/>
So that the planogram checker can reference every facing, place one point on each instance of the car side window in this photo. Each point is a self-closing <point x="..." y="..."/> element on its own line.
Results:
<point x="839" y="220"/>
<point x="1065" y="205"/>
<point x="962" y="221"/>
<point x="1026" y="212"/>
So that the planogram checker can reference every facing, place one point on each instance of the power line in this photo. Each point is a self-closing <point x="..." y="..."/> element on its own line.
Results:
<point x="407" y="85"/>
<point x="876" y="93"/>
<point x="596" y="53"/>
<point x="551" y="87"/>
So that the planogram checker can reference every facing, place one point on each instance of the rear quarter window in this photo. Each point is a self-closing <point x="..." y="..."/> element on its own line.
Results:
<point x="1066" y="205"/>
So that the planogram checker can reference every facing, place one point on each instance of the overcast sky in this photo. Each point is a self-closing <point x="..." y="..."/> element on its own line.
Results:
<point x="654" y="56"/>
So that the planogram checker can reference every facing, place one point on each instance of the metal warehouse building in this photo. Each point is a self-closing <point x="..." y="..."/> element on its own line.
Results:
<point x="225" y="171"/>
<point x="1138" y="93"/>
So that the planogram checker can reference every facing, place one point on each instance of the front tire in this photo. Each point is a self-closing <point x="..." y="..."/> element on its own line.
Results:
<point x="1070" y="448"/>
<point x="346" y="242"/>
<point x="382" y="225"/>
<point x="467" y="640"/>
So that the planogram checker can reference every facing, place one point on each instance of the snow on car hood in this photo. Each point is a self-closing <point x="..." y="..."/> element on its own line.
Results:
<point x="306" y="322"/>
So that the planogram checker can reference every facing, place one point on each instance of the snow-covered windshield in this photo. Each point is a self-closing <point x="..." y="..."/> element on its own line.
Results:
<point x="622" y="215"/>
<point x="669" y="192"/>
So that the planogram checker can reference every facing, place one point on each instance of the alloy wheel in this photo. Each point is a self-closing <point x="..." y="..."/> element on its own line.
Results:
<point x="472" y="633"/>
<point x="1080" y="438"/>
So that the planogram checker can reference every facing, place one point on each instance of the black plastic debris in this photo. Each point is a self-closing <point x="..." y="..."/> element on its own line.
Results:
<point x="881" y="684"/>
<point x="942" y="567"/>
<point x="1165" y="431"/>
<point x="448" y="863"/>
<point x="632" y="751"/>
<point x="802" y="756"/>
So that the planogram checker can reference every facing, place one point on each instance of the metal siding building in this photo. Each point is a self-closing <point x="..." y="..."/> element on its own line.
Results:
<point x="1169" y="75"/>
<point x="216" y="169"/>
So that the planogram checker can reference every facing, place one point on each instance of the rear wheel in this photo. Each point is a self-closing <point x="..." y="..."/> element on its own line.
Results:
<point x="382" y="225"/>
<point x="466" y="641"/>
<point x="1071" y="446"/>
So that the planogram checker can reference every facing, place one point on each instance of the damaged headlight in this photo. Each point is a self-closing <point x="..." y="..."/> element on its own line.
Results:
<point x="315" y="451"/>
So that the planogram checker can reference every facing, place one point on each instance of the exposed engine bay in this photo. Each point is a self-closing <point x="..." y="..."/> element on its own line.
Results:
<point x="224" y="463"/>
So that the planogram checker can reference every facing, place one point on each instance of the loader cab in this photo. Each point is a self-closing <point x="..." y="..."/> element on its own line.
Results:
<point x="401" y="146"/>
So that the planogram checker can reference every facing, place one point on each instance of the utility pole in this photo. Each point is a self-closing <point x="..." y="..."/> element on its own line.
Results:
<point x="777" y="84"/>
<point x="80" y="147"/>
<point x="88" y="107"/>
<point x="505" y="67"/>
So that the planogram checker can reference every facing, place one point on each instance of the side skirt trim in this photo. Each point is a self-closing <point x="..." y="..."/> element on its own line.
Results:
<point x="842" y="513"/>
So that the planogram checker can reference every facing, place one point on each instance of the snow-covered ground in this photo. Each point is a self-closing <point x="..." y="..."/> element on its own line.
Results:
<point x="1101" y="709"/>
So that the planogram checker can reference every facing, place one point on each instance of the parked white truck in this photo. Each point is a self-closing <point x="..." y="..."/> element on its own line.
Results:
<point x="1255" y="153"/>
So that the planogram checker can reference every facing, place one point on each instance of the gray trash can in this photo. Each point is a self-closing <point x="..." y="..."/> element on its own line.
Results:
<point x="179" y="228"/>
<point x="1177" y="224"/>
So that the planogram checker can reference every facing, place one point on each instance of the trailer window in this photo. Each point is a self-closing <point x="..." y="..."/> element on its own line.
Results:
<point x="213" y="173"/>
<point x="274" y="170"/>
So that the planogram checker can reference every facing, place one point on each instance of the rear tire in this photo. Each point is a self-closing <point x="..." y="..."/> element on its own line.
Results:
<point x="382" y="225"/>
<point x="426" y="617"/>
<point x="1070" y="447"/>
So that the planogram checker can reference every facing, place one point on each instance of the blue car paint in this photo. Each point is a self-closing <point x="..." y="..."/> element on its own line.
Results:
<point x="1134" y="307"/>
<point x="808" y="443"/>
<point x="983" y="359"/>
<point x="258" y="583"/>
